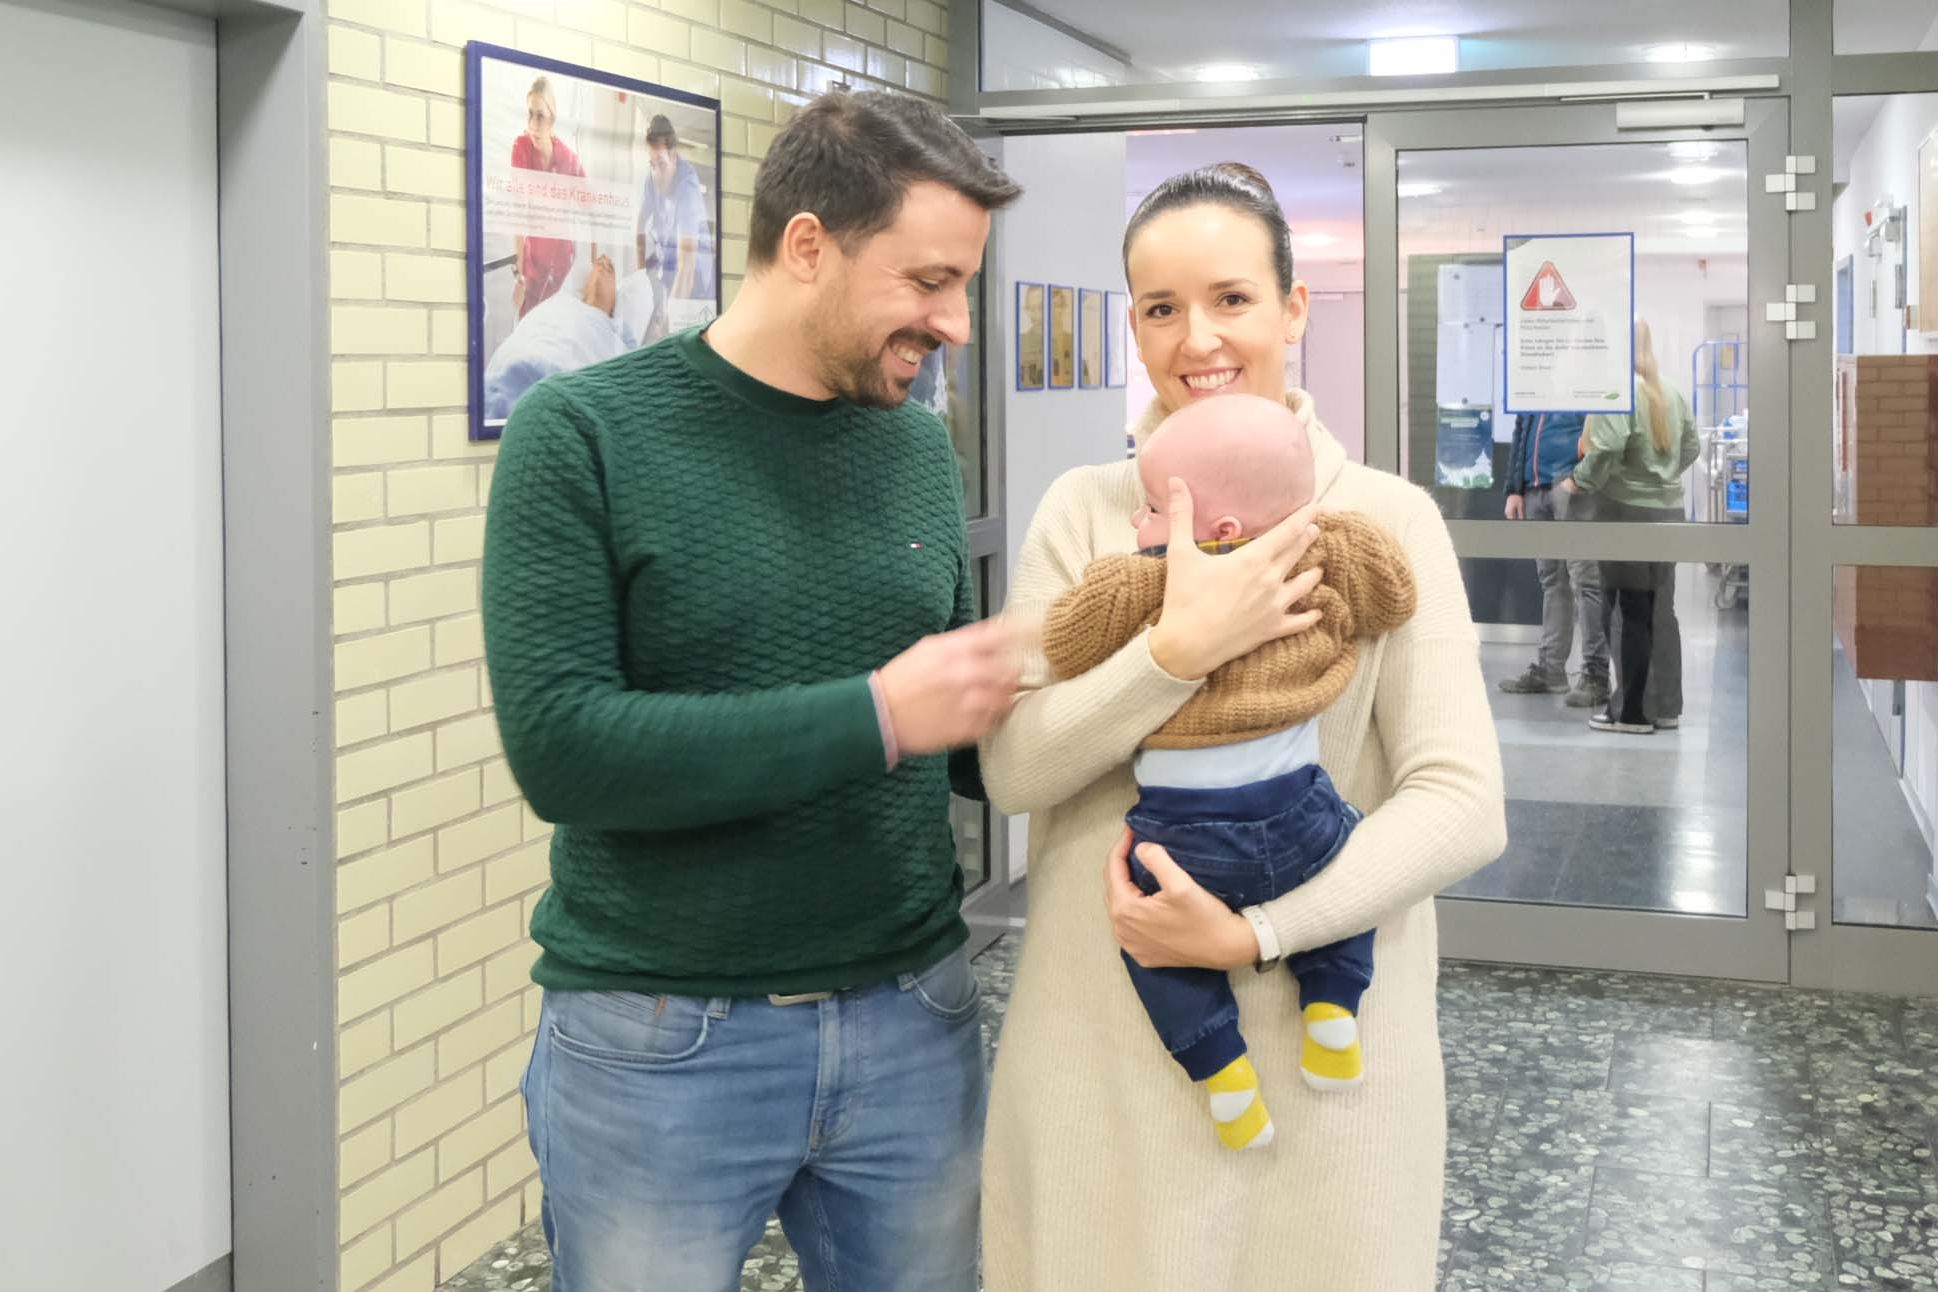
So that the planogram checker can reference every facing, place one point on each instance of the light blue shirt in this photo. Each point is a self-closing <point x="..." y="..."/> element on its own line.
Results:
<point x="1221" y="767"/>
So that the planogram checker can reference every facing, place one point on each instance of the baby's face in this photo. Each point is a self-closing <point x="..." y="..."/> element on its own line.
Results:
<point x="1248" y="462"/>
<point x="1153" y="519"/>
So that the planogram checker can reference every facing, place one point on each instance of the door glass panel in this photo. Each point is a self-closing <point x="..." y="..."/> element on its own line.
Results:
<point x="969" y="819"/>
<point x="1641" y="820"/>
<point x="1884" y="294"/>
<point x="1051" y="45"/>
<point x="1884" y="746"/>
<point x="1687" y="207"/>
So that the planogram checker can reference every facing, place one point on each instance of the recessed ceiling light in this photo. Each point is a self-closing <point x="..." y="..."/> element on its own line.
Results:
<point x="1413" y="56"/>
<point x="1679" y="51"/>
<point x="1227" y="72"/>
<point x="1698" y="217"/>
<point x="1701" y="231"/>
<point x="1345" y="139"/>
<point x="1692" y="150"/>
<point x="1692" y="175"/>
<point x="1416" y="190"/>
<point x="1315" y="239"/>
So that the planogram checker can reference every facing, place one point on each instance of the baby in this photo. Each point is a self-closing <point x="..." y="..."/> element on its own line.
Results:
<point x="1231" y="786"/>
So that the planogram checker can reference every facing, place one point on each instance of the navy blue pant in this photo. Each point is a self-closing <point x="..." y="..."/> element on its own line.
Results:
<point x="1244" y="845"/>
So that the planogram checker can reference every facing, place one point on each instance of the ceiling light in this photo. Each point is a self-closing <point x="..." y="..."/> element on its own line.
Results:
<point x="1697" y="217"/>
<point x="1680" y="51"/>
<point x="1413" y="56"/>
<point x="1702" y="231"/>
<point x="1315" y="239"/>
<point x="1692" y="150"/>
<point x="1416" y="190"/>
<point x="1227" y="72"/>
<point x="1345" y="139"/>
<point x="1692" y="175"/>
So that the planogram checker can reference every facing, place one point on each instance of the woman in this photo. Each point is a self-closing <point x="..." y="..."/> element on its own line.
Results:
<point x="1631" y="469"/>
<point x="543" y="263"/>
<point x="1099" y="1171"/>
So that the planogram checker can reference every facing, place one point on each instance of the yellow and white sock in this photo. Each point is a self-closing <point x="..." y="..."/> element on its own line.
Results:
<point x="1238" y="1107"/>
<point x="1330" y="1058"/>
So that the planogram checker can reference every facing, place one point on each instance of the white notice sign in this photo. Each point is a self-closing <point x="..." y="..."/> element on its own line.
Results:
<point x="1569" y="340"/>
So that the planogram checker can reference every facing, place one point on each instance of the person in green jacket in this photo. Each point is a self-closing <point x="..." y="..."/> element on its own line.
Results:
<point x="728" y="605"/>
<point x="1632" y="468"/>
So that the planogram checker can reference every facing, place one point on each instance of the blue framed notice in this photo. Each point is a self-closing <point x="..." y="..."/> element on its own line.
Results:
<point x="1569" y="308"/>
<point x="1032" y="308"/>
<point x="593" y="217"/>
<point x="1090" y="338"/>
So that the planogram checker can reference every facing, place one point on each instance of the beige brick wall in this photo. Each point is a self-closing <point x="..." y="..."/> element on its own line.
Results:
<point x="439" y="863"/>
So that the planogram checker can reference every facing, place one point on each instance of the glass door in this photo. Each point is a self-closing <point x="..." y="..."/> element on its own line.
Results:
<point x="1643" y="844"/>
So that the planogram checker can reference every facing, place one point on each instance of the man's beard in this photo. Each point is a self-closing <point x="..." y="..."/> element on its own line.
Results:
<point x="853" y="371"/>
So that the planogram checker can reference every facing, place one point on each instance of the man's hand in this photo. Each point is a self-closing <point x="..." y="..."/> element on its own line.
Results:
<point x="951" y="689"/>
<point x="1516" y="507"/>
<point x="1568" y="485"/>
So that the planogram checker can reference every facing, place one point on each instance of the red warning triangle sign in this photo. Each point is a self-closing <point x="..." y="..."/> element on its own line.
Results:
<point x="1547" y="291"/>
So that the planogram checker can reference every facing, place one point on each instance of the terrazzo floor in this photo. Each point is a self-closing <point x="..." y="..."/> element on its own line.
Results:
<point x="1614" y="1131"/>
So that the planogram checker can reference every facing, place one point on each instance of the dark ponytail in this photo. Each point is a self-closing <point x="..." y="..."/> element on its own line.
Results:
<point x="1229" y="184"/>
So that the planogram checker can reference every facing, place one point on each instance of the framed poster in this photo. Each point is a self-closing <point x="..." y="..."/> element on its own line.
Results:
<point x="1029" y="336"/>
<point x="1063" y="337"/>
<point x="1569" y="340"/>
<point x="1116" y="326"/>
<point x="1090" y="338"/>
<point x="593" y="211"/>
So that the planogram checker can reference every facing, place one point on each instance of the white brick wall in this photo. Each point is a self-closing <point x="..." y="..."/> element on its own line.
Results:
<point x="439" y="862"/>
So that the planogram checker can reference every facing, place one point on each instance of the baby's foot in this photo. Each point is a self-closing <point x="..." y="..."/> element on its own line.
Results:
<point x="1330" y="1058"/>
<point x="1238" y="1107"/>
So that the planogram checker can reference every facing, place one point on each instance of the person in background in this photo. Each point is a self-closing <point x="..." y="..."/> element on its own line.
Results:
<point x="1545" y="450"/>
<point x="728" y="605"/>
<point x="1631" y="469"/>
<point x="543" y="263"/>
<point x="674" y="230"/>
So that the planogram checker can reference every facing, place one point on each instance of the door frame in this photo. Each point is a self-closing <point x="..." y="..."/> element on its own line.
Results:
<point x="1754" y="945"/>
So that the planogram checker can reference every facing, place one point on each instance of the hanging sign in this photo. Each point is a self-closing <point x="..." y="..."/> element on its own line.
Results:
<point x="1569" y="340"/>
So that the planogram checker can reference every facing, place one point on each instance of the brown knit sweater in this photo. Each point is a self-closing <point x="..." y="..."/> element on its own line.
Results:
<point x="1367" y="590"/>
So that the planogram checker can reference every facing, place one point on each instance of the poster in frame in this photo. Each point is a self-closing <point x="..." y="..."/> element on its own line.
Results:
<point x="1090" y="338"/>
<point x="1031" y="310"/>
<point x="1063" y="337"/>
<point x="593" y="218"/>
<point x="1116" y="339"/>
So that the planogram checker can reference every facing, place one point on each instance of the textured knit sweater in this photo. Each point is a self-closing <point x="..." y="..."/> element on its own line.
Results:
<point x="688" y="576"/>
<point x="1367" y="590"/>
<point x="1099" y="1170"/>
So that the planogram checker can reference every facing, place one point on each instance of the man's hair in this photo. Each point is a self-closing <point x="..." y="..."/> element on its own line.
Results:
<point x="659" y="133"/>
<point x="849" y="158"/>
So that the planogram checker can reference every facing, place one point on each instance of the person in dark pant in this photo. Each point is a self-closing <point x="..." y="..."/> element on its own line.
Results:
<point x="1631" y="469"/>
<point x="1545" y="450"/>
<point x="727" y="607"/>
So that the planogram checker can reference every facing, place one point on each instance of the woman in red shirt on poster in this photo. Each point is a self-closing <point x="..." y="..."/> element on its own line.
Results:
<point x="542" y="262"/>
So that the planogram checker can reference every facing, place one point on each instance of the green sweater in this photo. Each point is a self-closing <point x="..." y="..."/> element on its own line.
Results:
<point x="688" y="576"/>
<point x="1621" y="461"/>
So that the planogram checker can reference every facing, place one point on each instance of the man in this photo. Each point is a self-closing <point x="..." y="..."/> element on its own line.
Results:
<point x="1544" y="453"/>
<point x="726" y="580"/>
<point x="674" y="231"/>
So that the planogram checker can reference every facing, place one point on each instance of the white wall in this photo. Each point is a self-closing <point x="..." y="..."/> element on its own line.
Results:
<point x="1066" y="231"/>
<point x="114" y="1099"/>
<point x="1674" y="294"/>
<point x="1885" y="164"/>
<point x="1020" y="53"/>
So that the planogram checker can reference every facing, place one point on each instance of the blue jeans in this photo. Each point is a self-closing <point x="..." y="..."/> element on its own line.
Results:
<point x="1245" y="845"/>
<point x="669" y="1128"/>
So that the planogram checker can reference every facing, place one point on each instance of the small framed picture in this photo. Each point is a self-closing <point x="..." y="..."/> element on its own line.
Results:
<point x="1116" y="325"/>
<point x="1063" y="337"/>
<point x="1090" y="338"/>
<point x="1029" y="336"/>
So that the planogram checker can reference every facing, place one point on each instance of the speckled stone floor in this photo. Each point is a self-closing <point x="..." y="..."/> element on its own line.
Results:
<point x="1613" y="1131"/>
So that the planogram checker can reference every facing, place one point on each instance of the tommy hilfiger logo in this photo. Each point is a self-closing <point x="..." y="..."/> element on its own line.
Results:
<point x="915" y="547"/>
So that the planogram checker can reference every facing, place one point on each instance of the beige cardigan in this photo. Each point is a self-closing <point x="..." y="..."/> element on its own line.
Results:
<point x="1100" y="1169"/>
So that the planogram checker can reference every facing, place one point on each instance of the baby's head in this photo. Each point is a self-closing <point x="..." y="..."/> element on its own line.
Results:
<point x="1247" y="460"/>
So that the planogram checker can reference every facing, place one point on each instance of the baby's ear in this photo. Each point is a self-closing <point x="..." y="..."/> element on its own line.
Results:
<point x="1228" y="528"/>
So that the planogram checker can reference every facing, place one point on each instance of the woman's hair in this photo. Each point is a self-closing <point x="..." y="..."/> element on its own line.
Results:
<point x="1232" y="185"/>
<point x="1651" y="375"/>
<point x="542" y="89"/>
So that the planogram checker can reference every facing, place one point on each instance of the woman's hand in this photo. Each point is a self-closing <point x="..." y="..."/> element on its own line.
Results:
<point x="1218" y="608"/>
<point x="1181" y="926"/>
<point x="1568" y="485"/>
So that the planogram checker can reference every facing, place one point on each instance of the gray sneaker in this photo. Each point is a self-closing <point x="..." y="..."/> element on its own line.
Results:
<point x="1589" y="693"/>
<point x="1536" y="681"/>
